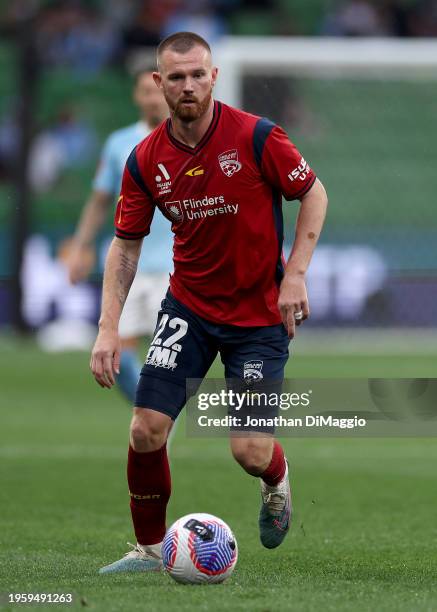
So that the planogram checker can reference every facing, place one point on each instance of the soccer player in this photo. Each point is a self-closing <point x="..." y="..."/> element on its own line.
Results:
<point x="219" y="175"/>
<point x="151" y="280"/>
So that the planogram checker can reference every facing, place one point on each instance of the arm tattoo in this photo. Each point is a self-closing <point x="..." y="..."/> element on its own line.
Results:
<point x="125" y="275"/>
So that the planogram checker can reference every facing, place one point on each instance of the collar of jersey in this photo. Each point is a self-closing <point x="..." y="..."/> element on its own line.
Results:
<point x="205" y="138"/>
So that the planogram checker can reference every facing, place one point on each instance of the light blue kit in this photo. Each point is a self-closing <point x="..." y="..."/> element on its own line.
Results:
<point x="157" y="251"/>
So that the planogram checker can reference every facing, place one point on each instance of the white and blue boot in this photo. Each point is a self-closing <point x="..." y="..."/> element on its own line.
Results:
<point x="140" y="559"/>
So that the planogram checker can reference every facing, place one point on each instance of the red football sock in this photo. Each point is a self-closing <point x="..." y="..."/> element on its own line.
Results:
<point x="148" y="476"/>
<point x="275" y="471"/>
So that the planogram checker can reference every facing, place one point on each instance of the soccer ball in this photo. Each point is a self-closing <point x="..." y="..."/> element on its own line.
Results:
<point x="199" y="549"/>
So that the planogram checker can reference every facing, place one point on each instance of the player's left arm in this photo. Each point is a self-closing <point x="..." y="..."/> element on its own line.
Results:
<point x="283" y="166"/>
<point x="293" y="294"/>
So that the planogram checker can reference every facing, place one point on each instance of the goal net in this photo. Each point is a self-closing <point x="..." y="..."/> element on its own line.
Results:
<point x="363" y="114"/>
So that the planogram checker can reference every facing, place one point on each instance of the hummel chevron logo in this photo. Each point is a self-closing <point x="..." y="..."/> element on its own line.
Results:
<point x="195" y="171"/>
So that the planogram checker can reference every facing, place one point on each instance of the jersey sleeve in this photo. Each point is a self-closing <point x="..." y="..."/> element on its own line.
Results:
<point x="106" y="175"/>
<point x="135" y="207"/>
<point x="281" y="163"/>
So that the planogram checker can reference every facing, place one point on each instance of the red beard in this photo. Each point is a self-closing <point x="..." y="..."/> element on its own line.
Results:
<point x="193" y="111"/>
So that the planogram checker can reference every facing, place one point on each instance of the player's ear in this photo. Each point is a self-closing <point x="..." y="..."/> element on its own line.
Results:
<point x="157" y="78"/>
<point x="214" y="73"/>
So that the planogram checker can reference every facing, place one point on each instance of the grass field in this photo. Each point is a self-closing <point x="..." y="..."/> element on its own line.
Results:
<point x="364" y="534"/>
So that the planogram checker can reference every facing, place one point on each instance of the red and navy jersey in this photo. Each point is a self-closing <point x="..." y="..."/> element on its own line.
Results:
<point x="224" y="200"/>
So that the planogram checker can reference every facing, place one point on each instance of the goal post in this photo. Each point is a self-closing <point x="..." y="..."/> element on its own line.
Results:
<point x="362" y="111"/>
<point x="407" y="59"/>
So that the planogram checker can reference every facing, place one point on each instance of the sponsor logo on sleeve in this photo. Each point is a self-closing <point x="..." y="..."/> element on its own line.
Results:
<point x="301" y="172"/>
<point x="229" y="162"/>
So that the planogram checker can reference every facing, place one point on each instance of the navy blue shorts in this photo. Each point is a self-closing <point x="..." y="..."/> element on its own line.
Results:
<point x="185" y="345"/>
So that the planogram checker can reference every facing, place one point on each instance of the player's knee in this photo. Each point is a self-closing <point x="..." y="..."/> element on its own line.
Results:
<point x="252" y="456"/>
<point x="147" y="432"/>
<point x="146" y="438"/>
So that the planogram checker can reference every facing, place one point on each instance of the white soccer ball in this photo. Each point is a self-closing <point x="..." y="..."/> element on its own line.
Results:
<point x="199" y="549"/>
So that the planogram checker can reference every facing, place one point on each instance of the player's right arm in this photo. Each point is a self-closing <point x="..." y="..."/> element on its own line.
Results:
<point x="120" y="270"/>
<point x="133" y="217"/>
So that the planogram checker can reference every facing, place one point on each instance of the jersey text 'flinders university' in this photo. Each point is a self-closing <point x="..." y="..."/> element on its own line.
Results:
<point x="224" y="200"/>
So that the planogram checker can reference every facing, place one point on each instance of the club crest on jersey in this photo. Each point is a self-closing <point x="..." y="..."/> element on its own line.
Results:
<point x="253" y="370"/>
<point x="229" y="162"/>
<point x="175" y="211"/>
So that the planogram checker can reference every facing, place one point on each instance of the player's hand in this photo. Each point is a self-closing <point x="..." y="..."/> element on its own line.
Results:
<point x="80" y="262"/>
<point x="293" y="302"/>
<point x="105" y="358"/>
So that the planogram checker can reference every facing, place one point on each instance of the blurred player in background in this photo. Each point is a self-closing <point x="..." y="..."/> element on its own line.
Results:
<point x="219" y="174"/>
<point x="155" y="263"/>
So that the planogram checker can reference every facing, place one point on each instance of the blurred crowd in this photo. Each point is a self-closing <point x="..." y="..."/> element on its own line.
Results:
<point x="67" y="142"/>
<point x="85" y="36"/>
<point x="382" y="18"/>
<point x="89" y="34"/>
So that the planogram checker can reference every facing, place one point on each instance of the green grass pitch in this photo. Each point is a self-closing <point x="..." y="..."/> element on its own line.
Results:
<point x="364" y="534"/>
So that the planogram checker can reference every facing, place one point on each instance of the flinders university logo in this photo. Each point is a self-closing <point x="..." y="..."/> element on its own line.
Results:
<point x="175" y="211"/>
<point x="253" y="370"/>
<point x="229" y="162"/>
